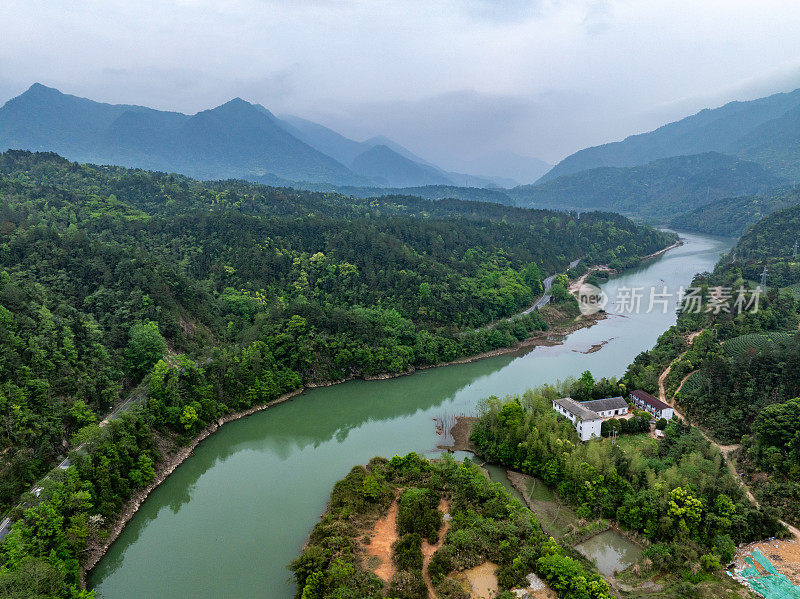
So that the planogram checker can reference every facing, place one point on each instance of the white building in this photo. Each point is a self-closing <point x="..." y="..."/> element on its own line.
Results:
<point x="607" y="408"/>
<point x="586" y="422"/>
<point x="655" y="406"/>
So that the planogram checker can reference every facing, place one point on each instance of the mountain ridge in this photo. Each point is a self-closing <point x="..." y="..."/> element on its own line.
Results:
<point x="724" y="129"/>
<point x="658" y="190"/>
<point x="234" y="140"/>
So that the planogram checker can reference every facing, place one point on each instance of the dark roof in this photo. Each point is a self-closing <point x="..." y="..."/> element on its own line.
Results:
<point x="650" y="400"/>
<point x="577" y="409"/>
<point x="601" y="405"/>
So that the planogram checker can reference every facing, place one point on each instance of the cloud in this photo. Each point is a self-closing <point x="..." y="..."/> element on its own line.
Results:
<point x="538" y="77"/>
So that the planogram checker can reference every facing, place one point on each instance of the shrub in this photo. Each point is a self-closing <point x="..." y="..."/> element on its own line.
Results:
<point x="441" y="563"/>
<point x="419" y="513"/>
<point x="407" y="552"/>
<point x="408" y="585"/>
<point x="451" y="589"/>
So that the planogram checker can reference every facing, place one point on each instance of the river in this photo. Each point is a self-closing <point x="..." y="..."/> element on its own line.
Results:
<point x="231" y="517"/>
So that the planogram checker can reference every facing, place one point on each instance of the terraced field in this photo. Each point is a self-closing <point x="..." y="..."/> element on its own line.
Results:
<point x="756" y="341"/>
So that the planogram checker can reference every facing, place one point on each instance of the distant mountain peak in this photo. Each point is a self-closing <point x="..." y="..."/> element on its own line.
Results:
<point x="39" y="91"/>
<point x="234" y="140"/>
<point x="237" y="101"/>
<point x="238" y="110"/>
<point x="237" y="104"/>
<point x="39" y="88"/>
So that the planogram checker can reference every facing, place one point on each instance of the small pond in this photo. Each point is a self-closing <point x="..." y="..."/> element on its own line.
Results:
<point x="610" y="551"/>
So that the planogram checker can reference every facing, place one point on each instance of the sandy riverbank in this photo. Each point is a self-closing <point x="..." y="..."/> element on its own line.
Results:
<point x="663" y="251"/>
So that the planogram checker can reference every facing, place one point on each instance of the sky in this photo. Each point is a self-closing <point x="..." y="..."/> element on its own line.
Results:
<point x="451" y="80"/>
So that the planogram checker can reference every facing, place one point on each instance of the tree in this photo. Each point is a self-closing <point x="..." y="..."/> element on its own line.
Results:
<point x="585" y="386"/>
<point x="81" y="414"/>
<point x="189" y="417"/>
<point x="685" y="509"/>
<point x="725" y="548"/>
<point x="146" y="346"/>
<point x="532" y="276"/>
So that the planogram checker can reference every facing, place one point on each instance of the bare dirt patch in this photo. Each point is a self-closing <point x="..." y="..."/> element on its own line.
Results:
<point x="460" y="433"/>
<point x="379" y="550"/>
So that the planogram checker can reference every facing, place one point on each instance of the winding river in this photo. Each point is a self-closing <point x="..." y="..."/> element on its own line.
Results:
<point x="231" y="517"/>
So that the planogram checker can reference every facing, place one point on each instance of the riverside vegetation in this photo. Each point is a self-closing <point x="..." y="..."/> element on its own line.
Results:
<point x="739" y="377"/>
<point x="677" y="495"/>
<point x="736" y="375"/>
<point x="202" y="299"/>
<point x="487" y="525"/>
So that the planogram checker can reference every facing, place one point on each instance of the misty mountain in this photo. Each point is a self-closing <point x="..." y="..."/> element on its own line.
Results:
<point x="326" y="140"/>
<point x="515" y="168"/>
<point x="389" y="169"/>
<point x="656" y="191"/>
<point x="235" y="140"/>
<point x="766" y="130"/>
<point x="347" y="150"/>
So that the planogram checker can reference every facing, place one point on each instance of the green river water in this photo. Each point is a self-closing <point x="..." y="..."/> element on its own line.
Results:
<point x="232" y="516"/>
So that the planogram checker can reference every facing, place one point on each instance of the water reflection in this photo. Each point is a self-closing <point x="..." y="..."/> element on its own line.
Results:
<point x="228" y="520"/>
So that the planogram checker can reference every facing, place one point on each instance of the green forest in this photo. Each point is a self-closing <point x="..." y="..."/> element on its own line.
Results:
<point x="739" y="377"/>
<point x="657" y="191"/>
<point x="196" y="299"/>
<point x="731" y="217"/>
<point x="677" y="494"/>
<point x="770" y="243"/>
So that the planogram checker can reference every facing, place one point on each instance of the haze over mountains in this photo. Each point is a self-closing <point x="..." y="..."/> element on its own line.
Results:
<point x="658" y="190"/>
<point x="766" y="130"/>
<point x="749" y="149"/>
<point x="235" y="140"/>
<point x="740" y="150"/>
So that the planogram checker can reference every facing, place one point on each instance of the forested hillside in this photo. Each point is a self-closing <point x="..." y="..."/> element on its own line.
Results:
<point x="485" y="524"/>
<point x="770" y="243"/>
<point x="428" y="192"/>
<point x="738" y="379"/>
<point x="731" y="217"/>
<point x="764" y="130"/>
<point x="656" y="191"/>
<point x="225" y="295"/>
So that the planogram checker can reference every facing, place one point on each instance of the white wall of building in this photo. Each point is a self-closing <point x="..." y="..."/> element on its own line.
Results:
<point x="610" y="413"/>
<point x="587" y="429"/>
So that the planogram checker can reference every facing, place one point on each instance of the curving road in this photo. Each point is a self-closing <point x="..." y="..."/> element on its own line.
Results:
<point x="135" y="397"/>
<point x="548" y="282"/>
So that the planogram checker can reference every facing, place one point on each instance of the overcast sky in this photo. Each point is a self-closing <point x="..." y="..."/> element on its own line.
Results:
<point x="448" y="79"/>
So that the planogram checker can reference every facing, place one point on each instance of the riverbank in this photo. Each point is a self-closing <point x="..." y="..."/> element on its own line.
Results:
<point x="564" y="326"/>
<point x="663" y="251"/>
<point x="97" y="548"/>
